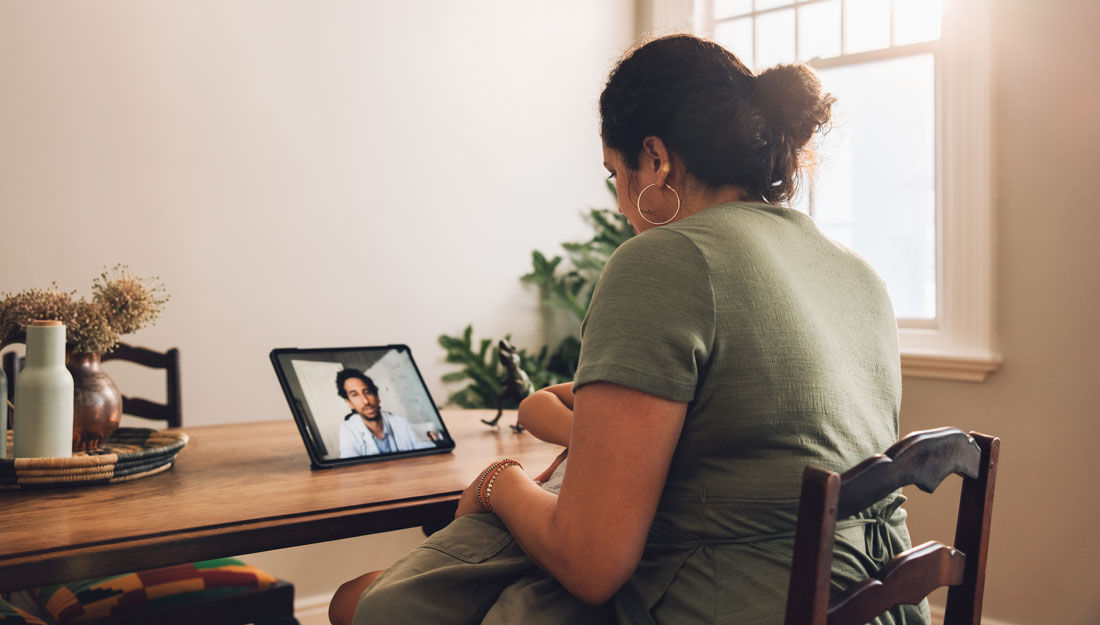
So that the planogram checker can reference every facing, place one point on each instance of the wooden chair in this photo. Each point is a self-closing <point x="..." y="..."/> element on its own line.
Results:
<point x="12" y="363"/>
<point x="171" y="411"/>
<point x="924" y="459"/>
<point x="273" y="605"/>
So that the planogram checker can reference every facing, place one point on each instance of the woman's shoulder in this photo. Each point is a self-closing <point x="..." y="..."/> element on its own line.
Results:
<point x="733" y="220"/>
<point x="747" y="234"/>
<point x="655" y="246"/>
<point x="701" y="235"/>
<point x="655" y="259"/>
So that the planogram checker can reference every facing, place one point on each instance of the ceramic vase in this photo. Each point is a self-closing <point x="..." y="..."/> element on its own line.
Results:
<point x="44" y="395"/>
<point x="97" y="404"/>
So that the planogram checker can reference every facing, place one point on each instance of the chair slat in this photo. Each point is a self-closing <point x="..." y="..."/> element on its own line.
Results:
<point x="923" y="458"/>
<point x="907" y="579"/>
<point x="139" y="355"/>
<point x="145" y="409"/>
<point x="171" y="410"/>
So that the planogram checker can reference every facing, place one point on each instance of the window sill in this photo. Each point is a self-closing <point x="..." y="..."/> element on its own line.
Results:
<point x="949" y="366"/>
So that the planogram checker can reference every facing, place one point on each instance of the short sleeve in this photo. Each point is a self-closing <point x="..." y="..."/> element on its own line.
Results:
<point x="650" y="324"/>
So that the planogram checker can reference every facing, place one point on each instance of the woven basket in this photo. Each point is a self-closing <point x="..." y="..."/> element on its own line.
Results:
<point x="130" y="453"/>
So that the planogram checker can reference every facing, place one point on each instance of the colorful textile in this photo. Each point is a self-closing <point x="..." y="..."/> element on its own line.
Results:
<point x="11" y="615"/>
<point x="150" y="590"/>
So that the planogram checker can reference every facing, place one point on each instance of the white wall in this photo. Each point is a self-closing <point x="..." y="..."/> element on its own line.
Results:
<point x="301" y="174"/>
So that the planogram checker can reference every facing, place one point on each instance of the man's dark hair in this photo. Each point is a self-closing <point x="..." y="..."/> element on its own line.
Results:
<point x="347" y="374"/>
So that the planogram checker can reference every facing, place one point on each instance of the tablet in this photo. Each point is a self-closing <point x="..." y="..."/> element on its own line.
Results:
<point x="360" y="404"/>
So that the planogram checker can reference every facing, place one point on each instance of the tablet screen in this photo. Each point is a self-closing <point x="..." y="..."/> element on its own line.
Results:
<point x="360" y="403"/>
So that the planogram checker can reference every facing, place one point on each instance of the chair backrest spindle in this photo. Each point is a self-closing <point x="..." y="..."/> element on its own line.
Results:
<point x="810" y="575"/>
<point x="964" y="602"/>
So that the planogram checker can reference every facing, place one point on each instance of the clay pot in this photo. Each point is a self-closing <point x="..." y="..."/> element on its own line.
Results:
<point x="97" y="404"/>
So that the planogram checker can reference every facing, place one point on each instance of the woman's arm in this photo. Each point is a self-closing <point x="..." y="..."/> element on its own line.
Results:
<point x="548" y="414"/>
<point x="590" y="537"/>
<point x="564" y="392"/>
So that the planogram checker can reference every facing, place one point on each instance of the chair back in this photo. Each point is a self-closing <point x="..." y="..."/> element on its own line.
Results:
<point x="171" y="411"/>
<point x="923" y="459"/>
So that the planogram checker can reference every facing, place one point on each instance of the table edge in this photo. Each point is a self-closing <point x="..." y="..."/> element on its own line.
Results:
<point x="76" y="562"/>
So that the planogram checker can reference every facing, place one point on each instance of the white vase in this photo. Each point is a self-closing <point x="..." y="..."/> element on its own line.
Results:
<point x="43" y="425"/>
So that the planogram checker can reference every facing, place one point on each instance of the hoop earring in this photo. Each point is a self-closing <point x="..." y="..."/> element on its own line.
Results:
<point x="638" y="205"/>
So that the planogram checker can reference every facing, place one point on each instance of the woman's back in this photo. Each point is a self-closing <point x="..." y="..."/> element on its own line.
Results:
<point x="805" y="357"/>
<point x="785" y="346"/>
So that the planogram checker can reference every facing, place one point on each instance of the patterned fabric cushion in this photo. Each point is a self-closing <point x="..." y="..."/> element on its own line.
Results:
<point x="11" y="615"/>
<point x="150" y="590"/>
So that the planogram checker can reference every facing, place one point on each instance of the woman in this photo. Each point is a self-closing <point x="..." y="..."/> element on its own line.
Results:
<point x="726" y="347"/>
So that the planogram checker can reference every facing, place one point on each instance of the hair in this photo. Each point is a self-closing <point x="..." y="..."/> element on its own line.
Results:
<point x="346" y="374"/>
<point x="728" y="126"/>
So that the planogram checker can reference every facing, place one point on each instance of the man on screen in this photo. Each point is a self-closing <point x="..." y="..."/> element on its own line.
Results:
<point x="368" y="430"/>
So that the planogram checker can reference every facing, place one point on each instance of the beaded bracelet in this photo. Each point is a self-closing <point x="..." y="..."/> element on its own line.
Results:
<point x="485" y="486"/>
<point x="481" y="485"/>
<point x="492" y="478"/>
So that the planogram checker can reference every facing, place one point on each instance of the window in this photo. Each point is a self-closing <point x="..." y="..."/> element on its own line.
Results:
<point x="904" y="178"/>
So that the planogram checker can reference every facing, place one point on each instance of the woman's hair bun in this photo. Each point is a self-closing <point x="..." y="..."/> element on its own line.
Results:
<point x="729" y="126"/>
<point x="789" y="98"/>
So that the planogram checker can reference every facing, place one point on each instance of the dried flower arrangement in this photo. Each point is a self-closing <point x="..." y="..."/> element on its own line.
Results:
<point x="121" y="303"/>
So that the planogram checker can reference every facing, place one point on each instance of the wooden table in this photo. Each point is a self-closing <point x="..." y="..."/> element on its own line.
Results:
<point x="242" y="488"/>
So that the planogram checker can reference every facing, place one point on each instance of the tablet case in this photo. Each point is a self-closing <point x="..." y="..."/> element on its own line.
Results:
<point x="311" y="434"/>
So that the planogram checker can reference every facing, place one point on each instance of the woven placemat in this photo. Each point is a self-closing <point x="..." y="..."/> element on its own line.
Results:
<point x="129" y="454"/>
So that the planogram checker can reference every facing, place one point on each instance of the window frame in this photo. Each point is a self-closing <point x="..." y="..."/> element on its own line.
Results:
<point x="960" y="344"/>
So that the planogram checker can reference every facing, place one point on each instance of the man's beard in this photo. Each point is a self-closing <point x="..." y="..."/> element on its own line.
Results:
<point x="377" y="416"/>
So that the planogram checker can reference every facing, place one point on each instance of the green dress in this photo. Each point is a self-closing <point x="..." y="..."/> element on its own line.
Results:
<point x="784" y="345"/>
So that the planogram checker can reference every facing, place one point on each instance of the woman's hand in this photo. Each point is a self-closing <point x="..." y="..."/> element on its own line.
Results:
<point x="545" y="475"/>
<point x="468" y="501"/>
